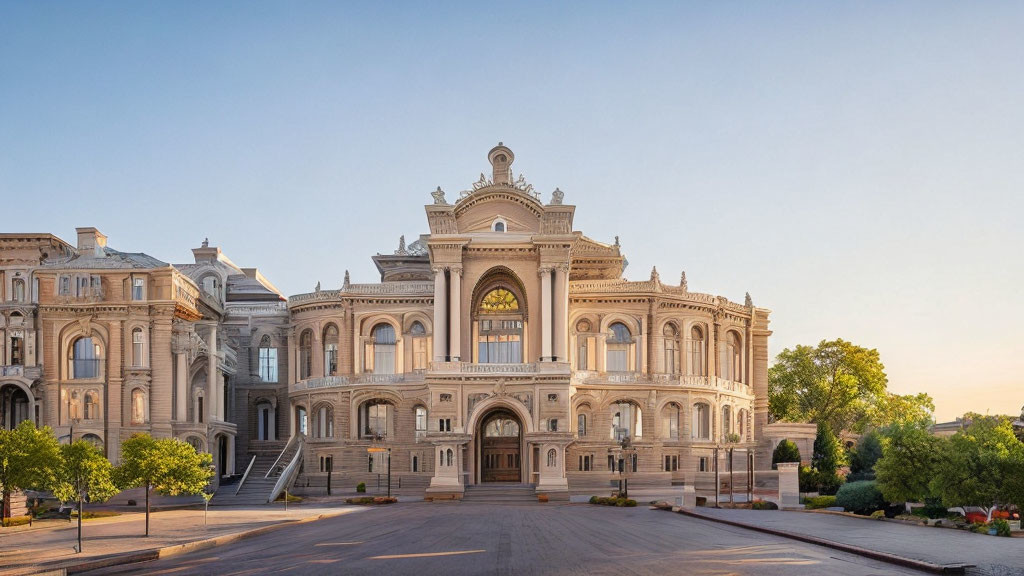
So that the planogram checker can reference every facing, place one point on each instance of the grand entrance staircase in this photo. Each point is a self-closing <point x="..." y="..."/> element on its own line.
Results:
<point x="264" y="475"/>
<point x="500" y="493"/>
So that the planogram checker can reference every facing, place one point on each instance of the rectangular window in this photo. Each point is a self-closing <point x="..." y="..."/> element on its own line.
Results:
<point x="65" y="286"/>
<point x="618" y="359"/>
<point x="137" y="285"/>
<point x="553" y="425"/>
<point x="702" y="464"/>
<point x="611" y="463"/>
<point x="268" y="364"/>
<point x="419" y="354"/>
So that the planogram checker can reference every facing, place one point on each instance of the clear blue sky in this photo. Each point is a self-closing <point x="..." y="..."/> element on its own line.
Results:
<point x="857" y="167"/>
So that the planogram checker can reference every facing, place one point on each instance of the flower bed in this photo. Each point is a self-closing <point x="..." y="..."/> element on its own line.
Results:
<point x="613" y="501"/>
<point x="371" y="500"/>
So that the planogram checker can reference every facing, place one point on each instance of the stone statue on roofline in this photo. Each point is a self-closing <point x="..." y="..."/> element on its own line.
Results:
<point x="401" y="246"/>
<point x="682" y="281"/>
<point x="556" y="196"/>
<point x="439" y="197"/>
<point x="748" y="301"/>
<point x="346" y="283"/>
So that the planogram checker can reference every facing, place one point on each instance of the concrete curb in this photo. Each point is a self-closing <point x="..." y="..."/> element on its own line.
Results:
<point x="873" y="554"/>
<point x="66" y="567"/>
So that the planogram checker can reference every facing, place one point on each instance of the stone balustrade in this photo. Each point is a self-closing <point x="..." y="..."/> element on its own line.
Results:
<point x="684" y="381"/>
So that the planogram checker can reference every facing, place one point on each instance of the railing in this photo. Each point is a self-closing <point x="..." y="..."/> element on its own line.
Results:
<point x="686" y="380"/>
<point x="290" y="473"/>
<point x="382" y="289"/>
<point x="291" y="441"/>
<point x="339" y="381"/>
<point x="246" y="475"/>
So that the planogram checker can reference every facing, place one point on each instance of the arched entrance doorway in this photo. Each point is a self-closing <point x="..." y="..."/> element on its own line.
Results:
<point x="500" y="447"/>
<point x="15" y="406"/>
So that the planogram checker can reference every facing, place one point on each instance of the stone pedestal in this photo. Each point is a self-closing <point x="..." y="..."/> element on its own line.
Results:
<point x="789" y="485"/>
<point x="689" y="498"/>
<point x="446" y="484"/>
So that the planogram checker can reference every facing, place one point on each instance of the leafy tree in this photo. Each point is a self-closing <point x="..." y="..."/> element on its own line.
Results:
<point x="982" y="466"/>
<point x="866" y="453"/>
<point x="827" y="458"/>
<point x="28" y="459"/>
<point x="836" y="383"/>
<point x="786" y="451"/>
<point x="83" y="470"/>
<point x="910" y="460"/>
<point x="891" y="409"/>
<point x="168" y="466"/>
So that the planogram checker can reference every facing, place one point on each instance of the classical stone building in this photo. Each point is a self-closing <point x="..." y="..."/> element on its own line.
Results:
<point x="502" y="346"/>
<point x="505" y="346"/>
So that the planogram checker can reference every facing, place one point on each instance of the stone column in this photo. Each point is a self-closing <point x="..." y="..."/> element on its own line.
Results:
<point x="212" y="385"/>
<point x="562" y="313"/>
<point x="181" y="386"/>
<point x="545" y="314"/>
<point x="440" y="319"/>
<point x="115" y="393"/>
<point x="160" y="377"/>
<point x="455" y="320"/>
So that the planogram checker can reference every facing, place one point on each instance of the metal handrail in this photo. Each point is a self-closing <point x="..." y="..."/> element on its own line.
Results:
<point x="291" y="440"/>
<point x="288" y="476"/>
<point x="246" y="475"/>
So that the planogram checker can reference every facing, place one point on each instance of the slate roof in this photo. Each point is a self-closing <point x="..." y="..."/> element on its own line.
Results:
<point x="111" y="260"/>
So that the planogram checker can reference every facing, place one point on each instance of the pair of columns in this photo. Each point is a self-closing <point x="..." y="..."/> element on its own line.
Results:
<point x="214" y="382"/>
<point x="554" y="309"/>
<point x="448" y="346"/>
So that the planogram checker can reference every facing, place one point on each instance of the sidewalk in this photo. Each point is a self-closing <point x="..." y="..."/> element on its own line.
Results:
<point x="944" y="546"/>
<point x="52" y="545"/>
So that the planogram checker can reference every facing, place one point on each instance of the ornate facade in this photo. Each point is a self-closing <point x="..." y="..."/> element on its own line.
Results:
<point x="501" y="346"/>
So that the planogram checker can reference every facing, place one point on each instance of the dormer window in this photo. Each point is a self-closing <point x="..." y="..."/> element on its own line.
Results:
<point x="499" y="225"/>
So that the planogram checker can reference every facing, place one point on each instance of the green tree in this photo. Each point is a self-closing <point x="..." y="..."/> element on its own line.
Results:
<point x="786" y="451"/>
<point x="836" y="383"/>
<point x="827" y="458"/>
<point x="981" y="465"/>
<point x="83" y="471"/>
<point x="910" y="460"/>
<point x="28" y="459"/>
<point x="866" y="453"/>
<point x="891" y="409"/>
<point x="168" y="466"/>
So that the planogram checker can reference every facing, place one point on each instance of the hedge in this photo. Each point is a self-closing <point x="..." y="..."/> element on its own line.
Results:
<point x="860" y="497"/>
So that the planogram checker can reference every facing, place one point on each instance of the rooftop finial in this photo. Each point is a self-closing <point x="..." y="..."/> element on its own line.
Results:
<point x="748" y="301"/>
<point x="617" y="241"/>
<point x="682" y="281"/>
<point x="654" y="274"/>
<point x="346" y="283"/>
<point x="206" y="242"/>
<point x="501" y="159"/>
<point x="317" y="289"/>
<point x="401" y="246"/>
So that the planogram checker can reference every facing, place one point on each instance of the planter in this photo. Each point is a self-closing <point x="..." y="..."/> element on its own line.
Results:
<point x="1014" y="525"/>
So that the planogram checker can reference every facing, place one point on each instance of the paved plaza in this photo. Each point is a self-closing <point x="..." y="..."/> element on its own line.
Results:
<point x="468" y="539"/>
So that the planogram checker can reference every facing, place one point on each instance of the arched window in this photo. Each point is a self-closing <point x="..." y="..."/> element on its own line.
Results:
<point x="138" y="406"/>
<point x="198" y="402"/>
<point x="741" y="424"/>
<point x="421" y="421"/>
<point x="671" y="349"/>
<point x="138" y="348"/>
<point x="726" y="421"/>
<point x="583" y="346"/>
<point x="581" y="425"/>
<point x="268" y="360"/>
<point x="331" y="350"/>
<point x="701" y="421"/>
<point x="195" y="443"/>
<point x="449" y="455"/>
<point x="376" y="419"/>
<point x="552" y="458"/>
<point x="17" y="349"/>
<point x="627" y="421"/>
<point x="211" y="285"/>
<point x="381" y="351"/>
<point x="732" y="358"/>
<point x="300" y="420"/>
<point x="620" y="344"/>
<point x="92" y="405"/>
<point x="86" y="356"/>
<point x="418" y="335"/>
<point x="323" y="426"/>
<point x="305" y="354"/>
<point x="18" y="290"/>
<point x="696" y="348"/>
<point x="499" y="328"/>
<point x="670" y="421"/>
<point x="95" y="440"/>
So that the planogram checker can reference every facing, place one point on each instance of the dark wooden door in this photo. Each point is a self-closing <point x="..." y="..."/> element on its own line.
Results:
<point x="499" y="461"/>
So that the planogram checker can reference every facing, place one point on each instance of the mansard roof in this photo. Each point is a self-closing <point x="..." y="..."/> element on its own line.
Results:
<point x="109" y="260"/>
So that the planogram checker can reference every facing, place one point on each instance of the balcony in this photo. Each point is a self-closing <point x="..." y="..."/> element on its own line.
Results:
<point x="713" y="383"/>
<point x="355" y="380"/>
<point x="453" y="368"/>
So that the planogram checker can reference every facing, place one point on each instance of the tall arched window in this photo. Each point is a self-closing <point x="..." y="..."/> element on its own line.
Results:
<point x="627" y="421"/>
<point x="18" y="290"/>
<point x="670" y="421"/>
<point x="696" y="347"/>
<point x="671" y="349"/>
<point x="138" y="348"/>
<point x="86" y="356"/>
<point x="381" y="350"/>
<point x="499" y="328"/>
<point x="701" y="421"/>
<point x="323" y="425"/>
<point x="331" y="350"/>
<point x="581" y="425"/>
<point x="421" y="420"/>
<point x="620" y="344"/>
<point x="741" y="424"/>
<point x="726" y="421"/>
<point x="732" y="358"/>
<point x="92" y="405"/>
<point x="268" y="360"/>
<point x="552" y="458"/>
<point x="418" y="335"/>
<point x="300" y="420"/>
<point x="305" y="354"/>
<point x="138" y="406"/>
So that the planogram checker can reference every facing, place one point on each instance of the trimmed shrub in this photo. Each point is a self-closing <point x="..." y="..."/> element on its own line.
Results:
<point x="763" y="505"/>
<point x="361" y="487"/>
<point x="613" y="501"/>
<point x="818" y="502"/>
<point x="860" y="476"/>
<point x="368" y="500"/>
<point x="16" y="521"/>
<point x="860" y="498"/>
<point x="786" y="451"/>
